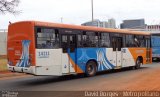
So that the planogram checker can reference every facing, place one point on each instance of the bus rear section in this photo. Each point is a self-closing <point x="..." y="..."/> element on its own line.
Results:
<point x="37" y="50"/>
<point x="20" y="47"/>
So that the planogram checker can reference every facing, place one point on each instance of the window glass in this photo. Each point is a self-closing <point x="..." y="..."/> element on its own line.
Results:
<point x="124" y="41"/>
<point x="119" y="43"/>
<point x="90" y="39"/>
<point x="47" y="38"/>
<point x="64" y="43"/>
<point x="104" y="40"/>
<point x="136" y="41"/>
<point x="79" y="41"/>
<point x="72" y="43"/>
<point x="139" y="41"/>
<point x="129" y="41"/>
<point x="114" y="43"/>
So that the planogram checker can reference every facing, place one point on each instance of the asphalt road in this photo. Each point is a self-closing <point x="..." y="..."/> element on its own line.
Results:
<point x="146" y="78"/>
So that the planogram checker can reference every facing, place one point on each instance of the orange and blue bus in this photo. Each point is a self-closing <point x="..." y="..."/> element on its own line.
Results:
<point x="42" y="48"/>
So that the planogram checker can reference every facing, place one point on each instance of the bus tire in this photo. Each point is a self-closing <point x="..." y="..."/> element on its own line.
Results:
<point x="91" y="69"/>
<point x="138" y="63"/>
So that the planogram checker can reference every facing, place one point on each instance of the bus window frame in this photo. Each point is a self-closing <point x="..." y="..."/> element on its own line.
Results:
<point x="42" y="27"/>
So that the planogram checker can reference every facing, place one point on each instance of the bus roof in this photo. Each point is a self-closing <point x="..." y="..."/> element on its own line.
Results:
<point x="86" y="28"/>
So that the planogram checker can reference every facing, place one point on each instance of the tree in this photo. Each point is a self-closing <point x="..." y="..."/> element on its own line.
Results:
<point x="9" y="6"/>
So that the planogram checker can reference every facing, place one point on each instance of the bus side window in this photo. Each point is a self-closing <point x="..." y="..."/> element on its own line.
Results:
<point x="142" y="41"/>
<point x="90" y="39"/>
<point x="47" y="38"/>
<point x="64" y="43"/>
<point x="84" y="39"/>
<point x="104" y="40"/>
<point x="114" y="43"/>
<point x="56" y="39"/>
<point x="129" y="41"/>
<point x="72" y="44"/>
<point x="124" y="40"/>
<point x="79" y="41"/>
<point x="136" y="41"/>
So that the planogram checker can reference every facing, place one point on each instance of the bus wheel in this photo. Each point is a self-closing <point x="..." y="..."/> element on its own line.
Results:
<point x="91" y="68"/>
<point x="138" y="63"/>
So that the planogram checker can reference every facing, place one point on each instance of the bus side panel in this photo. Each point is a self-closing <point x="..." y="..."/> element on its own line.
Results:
<point x="127" y="58"/>
<point x="110" y="56"/>
<point x="138" y="52"/>
<point x="48" y="62"/>
<point x="100" y="55"/>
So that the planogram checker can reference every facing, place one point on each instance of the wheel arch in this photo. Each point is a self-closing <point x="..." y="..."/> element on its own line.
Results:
<point x="140" y="58"/>
<point x="93" y="61"/>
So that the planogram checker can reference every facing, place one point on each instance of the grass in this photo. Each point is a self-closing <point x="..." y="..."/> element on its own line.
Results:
<point x="3" y="64"/>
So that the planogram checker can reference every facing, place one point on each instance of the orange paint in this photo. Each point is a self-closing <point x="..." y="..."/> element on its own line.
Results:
<point x="139" y="52"/>
<point x="76" y="67"/>
<point x="17" y="32"/>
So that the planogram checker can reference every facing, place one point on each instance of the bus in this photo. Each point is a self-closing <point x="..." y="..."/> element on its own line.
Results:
<point x="42" y="48"/>
<point x="155" y="44"/>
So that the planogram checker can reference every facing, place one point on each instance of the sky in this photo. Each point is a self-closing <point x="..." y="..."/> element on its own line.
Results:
<point x="79" y="11"/>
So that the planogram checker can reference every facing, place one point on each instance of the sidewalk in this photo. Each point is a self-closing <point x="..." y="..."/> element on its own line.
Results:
<point x="9" y="74"/>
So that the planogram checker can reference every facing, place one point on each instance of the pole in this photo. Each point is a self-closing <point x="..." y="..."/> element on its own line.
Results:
<point x="92" y="9"/>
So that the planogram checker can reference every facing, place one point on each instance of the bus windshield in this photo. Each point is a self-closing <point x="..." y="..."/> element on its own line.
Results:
<point x="47" y="38"/>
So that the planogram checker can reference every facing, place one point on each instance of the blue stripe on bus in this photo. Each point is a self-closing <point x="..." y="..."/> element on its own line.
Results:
<point x="24" y="59"/>
<point x="83" y="55"/>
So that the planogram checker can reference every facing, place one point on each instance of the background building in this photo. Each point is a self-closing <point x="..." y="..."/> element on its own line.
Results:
<point x="133" y="24"/>
<point x="3" y="42"/>
<point x="153" y="27"/>
<point x="111" y="23"/>
<point x="104" y="24"/>
<point x="149" y="28"/>
<point x="96" y="23"/>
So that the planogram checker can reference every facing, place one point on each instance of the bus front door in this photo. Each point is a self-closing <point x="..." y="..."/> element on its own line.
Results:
<point x="117" y="54"/>
<point x="68" y="56"/>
